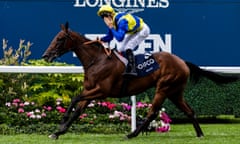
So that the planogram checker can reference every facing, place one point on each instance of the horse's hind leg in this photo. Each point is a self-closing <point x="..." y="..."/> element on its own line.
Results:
<point x="153" y="113"/>
<point x="183" y="106"/>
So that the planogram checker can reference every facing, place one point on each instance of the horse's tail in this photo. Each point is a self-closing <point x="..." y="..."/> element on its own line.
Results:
<point x="196" y="73"/>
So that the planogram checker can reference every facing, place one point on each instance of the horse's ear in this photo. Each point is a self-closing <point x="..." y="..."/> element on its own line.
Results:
<point x="62" y="27"/>
<point x="66" y="25"/>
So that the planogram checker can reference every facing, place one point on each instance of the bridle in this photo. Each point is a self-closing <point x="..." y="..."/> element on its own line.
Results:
<point x="67" y="36"/>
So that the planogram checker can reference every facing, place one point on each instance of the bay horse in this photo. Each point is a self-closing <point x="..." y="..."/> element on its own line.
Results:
<point x="103" y="78"/>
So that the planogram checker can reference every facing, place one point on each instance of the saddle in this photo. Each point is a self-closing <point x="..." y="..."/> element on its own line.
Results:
<point x="145" y="63"/>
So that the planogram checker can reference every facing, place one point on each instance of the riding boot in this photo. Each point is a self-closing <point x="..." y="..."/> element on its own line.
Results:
<point x="131" y="67"/>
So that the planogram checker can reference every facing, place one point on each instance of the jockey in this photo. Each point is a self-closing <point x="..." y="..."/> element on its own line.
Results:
<point x="126" y="28"/>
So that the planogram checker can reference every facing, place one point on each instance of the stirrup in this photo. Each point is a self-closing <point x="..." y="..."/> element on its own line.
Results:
<point x="130" y="74"/>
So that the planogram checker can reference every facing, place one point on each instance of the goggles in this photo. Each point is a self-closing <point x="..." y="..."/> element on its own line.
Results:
<point x="105" y="14"/>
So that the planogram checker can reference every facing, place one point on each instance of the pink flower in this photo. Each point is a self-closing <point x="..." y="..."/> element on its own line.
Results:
<point x="116" y="114"/>
<point x="43" y="114"/>
<point x="165" y="118"/>
<point x="29" y="114"/>
<point x="104" y="104"/>
<point x="122" y="118"/>
<point x="21" y="104"/>
<point x="83" y="116"/>
<point x="16" y="101"/>
<point x="111" y="106"/>
<point x="140" y="105"/>
<point x="15" y="104"/>
<point x="126" y="106"/>
<point x="20" y="110"/>
<point x="163" y="129"/>
<point x="48" y="108"/>
<point x="61" y="109"/>
<point x="120" y="115"/>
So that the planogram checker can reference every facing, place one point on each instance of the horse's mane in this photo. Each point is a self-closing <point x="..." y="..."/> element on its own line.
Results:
<point x="85" y="39"/>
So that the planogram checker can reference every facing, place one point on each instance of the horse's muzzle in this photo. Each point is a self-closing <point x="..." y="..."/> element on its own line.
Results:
<point x="47" y="58"/>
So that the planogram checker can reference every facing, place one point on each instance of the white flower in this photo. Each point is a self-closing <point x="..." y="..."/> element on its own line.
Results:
<point x="163" y="109"/>
<point x="37" y="111"/>
<point x="38" y="116"/>
<point x="58" y="103"/>
<point x="33" y="116"/>
<point x="8" y="104"/>
<point x="91" y="105"/>
<point x="111" y="116"/>
<point x="26" y="103"/>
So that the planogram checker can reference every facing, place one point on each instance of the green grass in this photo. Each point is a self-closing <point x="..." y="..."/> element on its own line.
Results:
<point x="179" y="134"/>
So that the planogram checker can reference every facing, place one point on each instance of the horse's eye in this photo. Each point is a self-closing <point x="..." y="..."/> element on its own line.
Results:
<point x="60" y="39"/>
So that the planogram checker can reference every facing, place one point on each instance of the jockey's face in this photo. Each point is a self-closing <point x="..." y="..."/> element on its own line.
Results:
<point x="108" y="21"/>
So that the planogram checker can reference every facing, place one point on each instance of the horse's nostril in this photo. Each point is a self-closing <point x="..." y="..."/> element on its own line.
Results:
<point x="45" y="57"/>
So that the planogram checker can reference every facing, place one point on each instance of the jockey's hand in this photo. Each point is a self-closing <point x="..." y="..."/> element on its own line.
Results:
<point x="99" y="40"/>
<point x="108" y="21"/>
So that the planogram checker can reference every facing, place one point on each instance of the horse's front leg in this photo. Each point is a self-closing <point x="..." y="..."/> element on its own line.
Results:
<point x="66" y="115"/>
<point x="83" y="100"/>
<point x="64" y="126"/>
<point x="87" y="95"/>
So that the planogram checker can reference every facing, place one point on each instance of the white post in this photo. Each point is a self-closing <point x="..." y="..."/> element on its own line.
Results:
<point x="133" y="113"/>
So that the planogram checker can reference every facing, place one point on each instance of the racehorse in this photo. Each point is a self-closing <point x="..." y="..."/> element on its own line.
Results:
<point x="103" y="78"/>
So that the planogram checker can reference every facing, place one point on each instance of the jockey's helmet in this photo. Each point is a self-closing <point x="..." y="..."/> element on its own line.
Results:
<point x="105" y="10"/>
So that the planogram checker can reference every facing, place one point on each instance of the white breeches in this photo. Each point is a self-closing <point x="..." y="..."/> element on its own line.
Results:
<point x="132" y="40"/>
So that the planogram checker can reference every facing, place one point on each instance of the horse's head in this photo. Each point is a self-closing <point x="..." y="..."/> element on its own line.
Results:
<point x="62" y="43"/>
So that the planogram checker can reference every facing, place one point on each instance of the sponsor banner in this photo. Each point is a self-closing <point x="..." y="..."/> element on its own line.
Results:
<point x="205" y="32"/>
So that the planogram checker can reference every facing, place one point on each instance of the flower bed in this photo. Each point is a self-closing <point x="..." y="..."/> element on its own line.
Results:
<point x="18" y="113"/>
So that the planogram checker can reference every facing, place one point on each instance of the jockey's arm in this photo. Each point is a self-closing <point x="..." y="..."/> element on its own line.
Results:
<point x="119" y="34"/>
<point x="108" y="37"/>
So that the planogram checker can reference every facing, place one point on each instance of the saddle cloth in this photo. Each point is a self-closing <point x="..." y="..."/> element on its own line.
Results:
<point x="145" y="63"/>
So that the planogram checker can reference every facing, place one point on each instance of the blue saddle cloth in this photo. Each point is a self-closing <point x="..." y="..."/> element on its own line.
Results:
<point x="145" y="64"/>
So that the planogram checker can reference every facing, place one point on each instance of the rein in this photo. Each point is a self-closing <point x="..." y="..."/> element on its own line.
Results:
<point x="108" y="52"/>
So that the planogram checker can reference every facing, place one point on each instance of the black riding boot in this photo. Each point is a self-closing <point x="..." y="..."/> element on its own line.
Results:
<point x="131" y="67"/>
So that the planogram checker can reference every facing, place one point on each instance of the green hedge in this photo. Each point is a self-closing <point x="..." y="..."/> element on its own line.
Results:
<point x="206" y="98"/>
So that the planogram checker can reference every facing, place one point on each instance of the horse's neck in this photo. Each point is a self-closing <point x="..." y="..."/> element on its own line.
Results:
<point x="88" y="54"/>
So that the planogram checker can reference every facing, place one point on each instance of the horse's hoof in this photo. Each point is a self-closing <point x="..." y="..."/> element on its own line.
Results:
<point x="125" y="138"/>
<point x="53" y="136"/>
<point x="201" y="136"/>
<point x="130" y="136"/>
